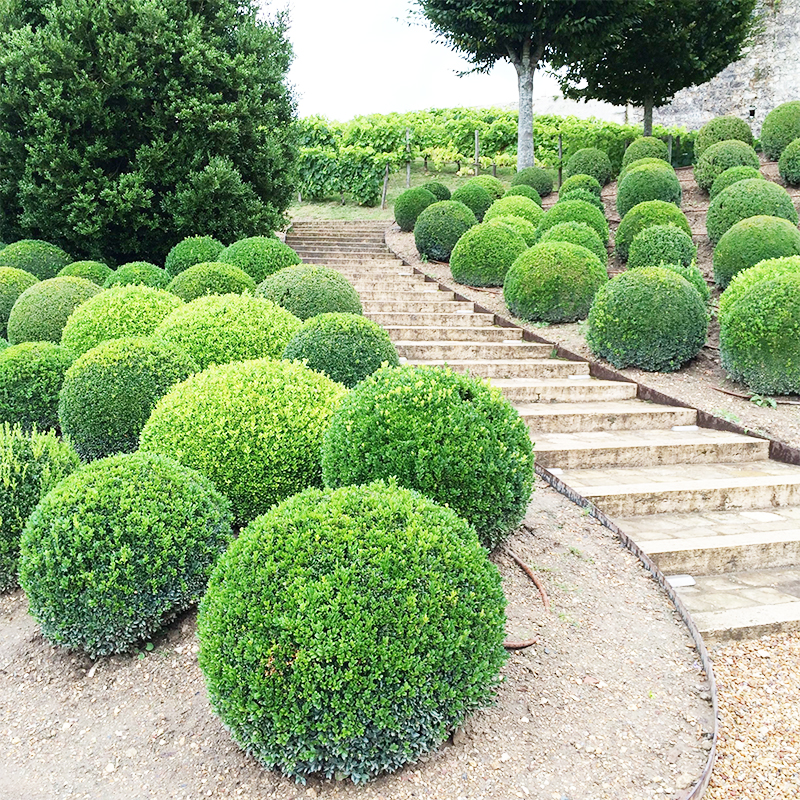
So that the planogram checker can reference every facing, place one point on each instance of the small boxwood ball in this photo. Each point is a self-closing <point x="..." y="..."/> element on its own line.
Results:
<point x="94" y="271"/>
<point x="42" y="259"/>
<point x="789" y="163"/>
<point x="648" y="182"/>
<point x="523" y="190"/>
<point x="766" y="270"/>
<point x="211" y="277"/>
<point x="553" y="282"/>
<point x="515" y="206"/>
<point x="42" y="310"/>
<point x="494" y="186"/>
<point x="449" y="436"/>
<point x="474" y="197"/>
<point x="109" y="392"/>
<point x="440" y="226"/>
<point x="190" y="251"/>
<point x="575" y="211"/>
<point x="409" y="205"/>
<point x="781" y="126"/>
<point x="307" y="290"/>
<point x="31" y="463"/>
<point x="13" y="282"/>
<point x="31" y="375"/>
<point x="651" y="212"/>
<point x="539" y="179"/>
<point x="118" y="548"/>
<point x="721" y="156"/>
<point x="722" y="129"/>
<point x="581" y="181"/>
<point x="484" y="253"/>
<point x="395" y="663"/>
<point x="733" y="175"/>
<point x="640" y="162"/>
<point x="259" y="256"/>
<point x="138" y="273"/>
<point x="577" y="233"/>
<point x="645" y="147"/>
<point x="692" y="274"/>
<point x="345" y="347"/>
<point x="581" y="194"/>
<point x="750" y="241"/>
<point x="650" y="318"/>
<point x="661" y="244"/>
<point x="589" y="161"/>
<point x="749" y="198"/>
<point x="254" y="428"/>
<point x="122" y="311"/>
<point x="522" y="227"/>
<point x="438" y="190"/>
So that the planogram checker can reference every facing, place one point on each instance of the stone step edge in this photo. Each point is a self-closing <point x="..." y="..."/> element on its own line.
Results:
<point x="750" y="622"/>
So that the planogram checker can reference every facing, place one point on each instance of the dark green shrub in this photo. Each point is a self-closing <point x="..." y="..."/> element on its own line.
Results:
<point x="646" y="147"/>
<point x="345" y="347"/>
<point x="484" y="253"/>
<point x="449" y="436"/>
<point x="410" y="204"/>
<point x="109" y="392"/>
<point x="767" y="270"/>
<point x="577" y="233"/>
<point x="721" y="156"/>
<point x="575" y="211"/>
<point x="733" y="175"/>
<point x="438" y="190"/>
<point x="388" y="678"/>
<point x="138" y="273"/>
<point x="308" y="290"/>
<point x="648" y="182"/>
<point x="515" y="206"/>
<point x="589" y="161"/>
<point x="93" y="271"/>
<point x="661" y="244"/>
<point x="750" y="241"/>
<point x="523" y="190"/>
<point x="781" y="126"/>
<point x="539" y="179"/>
<point x="123" y="311"/>
<point x="259" y="256"/>
<point x="30" y="465"/>
<point x="42" y="259"/>
<point x="690" y="273"/>
<point x="581" y="181"/>
<point x="650" y="318"/>
<point x="474" y="197"/>
<point x="440" y="226"/>
<point x="31" y="375"/>
<point x="722" y="129"/>
<point x="743" y="199"/>
<point x="254" y="428"/>
<point x="190" y="251"/>
<point x="120" y="547"/>
<point x="582" y="194"/>
<point x="522" y="227"/>
<point x="13" y="282"/>
<point x="640" y="162"/>
<point x="494" y="186"/>
<point x="651" y="212"/>
<point x="212" y="277"/>
<point x="41" y="311"/>
<point x="789" y="163"/>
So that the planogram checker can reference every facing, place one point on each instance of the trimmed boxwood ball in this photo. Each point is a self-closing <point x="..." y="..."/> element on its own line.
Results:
<point x="789" y="163"/>
<point x="438" y="190"/>
<point x="731" y="176"/>
<point x="691" y="273"/>
<point x="539" y="179"/>
<point x="42" y="259"/>
<point x="581" y="194"/>
<point x="410" y="204"/>
<point x="648" y="182"/>
<point x="760" y="340"/>
<point x="259" y="256"/>
<point x="93" y="271"/>
<point x="522" y="227"/>
<point x="749" y="198"/>
<point x="440" y="226"/>
<point x="118" y="548"/>
<point x="515" y="206"/>
<point x="41" y="311"/>
<point x="577" y="233"/>
<point x="640" y="162"/>
<point x="721" y="156"/>
<point x="661" y="244"/>
<point x="651" y="212"/>
<point x="750" y="241"/>
<point x="254" y="428"/>
<point x="766" y="270"/>
<point x="484" y="253"/>
<point x="31" y="375"/>
<point x="109" y="392"/>
<point x="581" y="181"/>
<point x="575" y="211"/>
<point x="650" y="318"/>
<point x="645" y="147"/>
<point x="394" y="663"/>
<point x="450" y="436"/>
<point x="474" y="197"/>
<point x="31" y="463"/>
<point x="212" y="277"/>
<point x="781" y="126"/>
<point x="722" y="129"/>
<point x="138" y="273"/>
<point x="494" y="186"/>
<point x="523" y="190"/>
<point x="13" y="282"/>
<point x="345" y="347"/>
<point x="307" y="290"/>
<point x="589" y="161"/>
<point x="122" y="311"/>
<point x="553" y="282"/>
<point x="190" y="251"/>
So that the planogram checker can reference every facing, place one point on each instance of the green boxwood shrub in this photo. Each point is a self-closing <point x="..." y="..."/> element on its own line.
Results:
<point x="648" y="182"/>
<point x="539" y="179"/>
<point x="345" y="347"/>
<point x="733" y="175"/>
<point x="308" y="290"/>
<point x="438" y="190"/>
<point x="122" y="311"/>
<point x="781" y="126"/>
<point x="440" y="226"/>
<point x="31" y="375"/>
<point x="575" y="211"/>
<point x="749" y="198"/>
<point x="581" y="181"/>
<point x="394" y="663"/>
<point x="254" y="428"/>
<point x="645" y="147"/>
<point x="138" y="273"/>
<point x="577" y="233"/>
<point x="640" y="162"/>
<point x="210" y="277"/>
<point x="789" y="163"/>
<point x="582" y="194"/>
<point x="474" y="197"/>
<point x="650" y="318"/>
<point x="118" y="548"/>
<point x="721" y="156"/>
<point x="93" y="271"/>
<point x="661" y="244"/>
<point x="42" y="259"/>
<point x="523" y="190"/>
<point x="553" y="282"/>
<point x="515" y="206"/>
<point x="259" y="256"/>
<point x="410" y="204"/>
<point x="767" y="270"/>
<point x="651" y="212"/>
<point x="494" y="186"/>
<point x="484" y="253"/>
<point x="691" y="273"/>
<point x="522" y="227"/>
<point x="722" y="129"/>
<point x="13" y="282"/>
<point x="109" y="392"/>
<point x="589" y="161"/>
<point x="450" y="436"/>
<point x="31" y="463"/>
<point x="190" y="251"/>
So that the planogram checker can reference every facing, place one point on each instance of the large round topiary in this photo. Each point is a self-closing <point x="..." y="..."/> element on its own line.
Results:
<point x="484" y="253"/>
<point x="581" y="181"/>
<point x="766" y="270"/>
<point x="522" y="227"/>
<point x="733" y="175"/>
<point x="449" y="436"/>
<point x="494" y="186"/>
<point x="691" y="273"/>
<point x="440" y="226"/>
<point x="577" y="233"/>
<point x="553" y="282"/>
<point x="661" y="244"/>
<point x="539" y="179"/>
<point x="789" y="163"/>
<point x="138" y="273"/>
<point x="750" y="241"/>
<point x="31" y="375"/>
<point x="645" y="147"/>
<point x="651" y="212"/>
<point x="781" y="126"/>
<point x="211" y="277"/>
<point x="575" y="211"/>
<point x="721" y="156"/>
<point x="42" y="310"/>
<point x="94" y="271"/>
<point x="13" y="282"/>
<point x="649" y="318"/>
<point x="109" y="392"/>
<point x="259" y="256"/>
<point x="410" y="204"/>
<point x="120" y="547"/>
<point x="308" y="290"/>
<point x="30" y="465"/>
<point x="438" y="190"/>
<point x="515" y="206"/>
<point x="407" y="615"/>
<point x="523" y="190"/>
<point x="123" y="311"/>
<point x="722" y="129"/>
<point x="42" y="259"/>
<point x="190" y="251"/>
<point x="581" y="194"/>
<point x="474" y="197"/>
<point x="648" y="182"/>
<point x="345" y="347"/>
<point x="589" y="161"/>
<point x="743" y="199"/>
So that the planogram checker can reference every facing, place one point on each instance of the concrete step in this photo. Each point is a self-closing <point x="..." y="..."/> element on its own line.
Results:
<point x="392" y="287"/>
<point x="512" y="368"/>
<point x="341" y="252"/>
<point x="412" y="319"/>
<point x="382" y="276"/>
<point x="580" y="388"/>
<point x="338" y="246"/>
<point x="414" y="305"/>
<point x="352" y="259"/>
<point x="409" y="295"/>
<point x="450" y="333"/>
<point x="463" y="350"/>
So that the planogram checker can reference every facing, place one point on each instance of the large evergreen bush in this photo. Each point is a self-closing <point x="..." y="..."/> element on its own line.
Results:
<point x="475" y="197"/>
<point x="307" y="290"/>
<point x="648" y="182"/>
<point x="589" y="161"/>
<point x="767" y="270"/>
<point x="789" y="163"/>
<point x="440" y="226"/>
<point x="661" y="244"/>
<point x="484" y="253"/>
<point x="781" y="126"/>
<point x="733" y="175"/>
<point x="575" y="211"/>
<point x="515" y="206"/>
<point x="651" y="212"/>
<point x="722" y="129"/>
<point x="13" y="282"/>
<point x="210" y="277"/>
<point x="646" y="147"/>
<point x="720" y="157"/>
<point x="410" y="204"/>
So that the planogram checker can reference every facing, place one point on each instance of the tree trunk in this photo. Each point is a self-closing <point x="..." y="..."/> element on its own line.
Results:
<point x="525" y="69"/>
<point x="648" y="116"/>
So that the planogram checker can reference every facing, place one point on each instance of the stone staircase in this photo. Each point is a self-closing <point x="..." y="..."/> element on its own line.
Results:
<point x="710" y="507"/>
